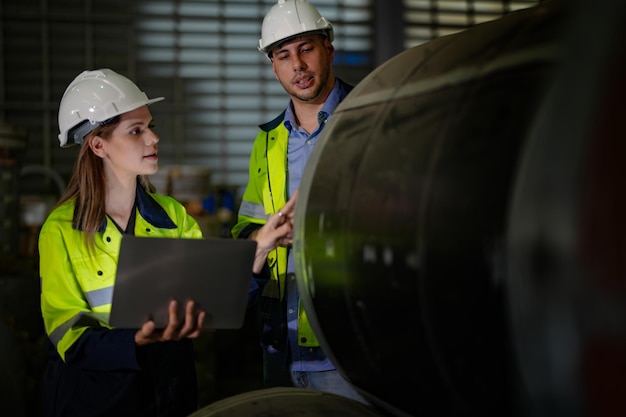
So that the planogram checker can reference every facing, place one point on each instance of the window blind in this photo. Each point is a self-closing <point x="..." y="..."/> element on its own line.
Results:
<point x="428" y="19"/>
<point x="199" y="54"/>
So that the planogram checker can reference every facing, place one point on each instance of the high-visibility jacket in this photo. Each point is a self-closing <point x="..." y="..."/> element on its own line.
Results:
<point x="265" y="194"/>
<point x="268" y="172"/>
<point x="76" y="294"/>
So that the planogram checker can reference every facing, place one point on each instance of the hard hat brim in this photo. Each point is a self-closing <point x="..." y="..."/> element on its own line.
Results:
<point x="268" y="49"/>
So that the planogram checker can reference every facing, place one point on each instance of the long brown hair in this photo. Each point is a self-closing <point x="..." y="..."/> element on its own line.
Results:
<point x="87" y="185"/>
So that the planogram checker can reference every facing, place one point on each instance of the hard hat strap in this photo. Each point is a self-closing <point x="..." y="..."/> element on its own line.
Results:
<point x="76" y="135"/>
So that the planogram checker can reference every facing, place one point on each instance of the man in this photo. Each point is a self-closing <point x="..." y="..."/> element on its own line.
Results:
<point x="298" y="42"/>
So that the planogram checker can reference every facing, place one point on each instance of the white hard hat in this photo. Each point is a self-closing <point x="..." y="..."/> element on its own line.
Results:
<point x="289" y="19"/>
<point x="94" y="97"/>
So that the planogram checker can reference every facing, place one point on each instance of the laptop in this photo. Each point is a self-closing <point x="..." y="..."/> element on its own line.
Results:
<point x="214" y="272"/>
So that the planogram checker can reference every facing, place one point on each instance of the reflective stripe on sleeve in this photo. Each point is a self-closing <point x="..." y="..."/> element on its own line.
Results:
<point x="83" y="318"/>
<point x="249" y="209"/>
<point x="100" y="297"/>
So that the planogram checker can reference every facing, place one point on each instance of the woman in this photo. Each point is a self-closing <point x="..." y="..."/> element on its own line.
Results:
<point x="93" y="369"/>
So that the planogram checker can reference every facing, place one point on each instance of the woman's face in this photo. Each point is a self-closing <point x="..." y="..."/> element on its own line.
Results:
<point x="131" y="149"/>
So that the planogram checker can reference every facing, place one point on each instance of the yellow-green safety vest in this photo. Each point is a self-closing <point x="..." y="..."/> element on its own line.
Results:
<point x="77" y="286"/>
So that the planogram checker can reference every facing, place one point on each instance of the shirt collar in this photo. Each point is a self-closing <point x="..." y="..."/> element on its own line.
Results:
<point x="331" y="102"/>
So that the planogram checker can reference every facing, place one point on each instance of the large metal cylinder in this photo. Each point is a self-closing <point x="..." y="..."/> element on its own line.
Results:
<point x="421" y="235"/>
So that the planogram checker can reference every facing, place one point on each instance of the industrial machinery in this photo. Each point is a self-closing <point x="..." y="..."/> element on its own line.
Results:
<point x="459" y="241"/>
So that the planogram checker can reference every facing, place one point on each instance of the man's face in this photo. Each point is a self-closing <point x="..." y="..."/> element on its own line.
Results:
<point x="303" y="68"/>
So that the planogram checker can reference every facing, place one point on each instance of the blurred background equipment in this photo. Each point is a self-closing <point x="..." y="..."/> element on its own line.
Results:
<point x="21" y="347"/>
<point x="13" y="372"/>
<point x="12" y="145"/>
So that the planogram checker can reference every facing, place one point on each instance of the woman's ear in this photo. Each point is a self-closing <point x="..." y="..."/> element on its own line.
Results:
<point x="97" y="145"/>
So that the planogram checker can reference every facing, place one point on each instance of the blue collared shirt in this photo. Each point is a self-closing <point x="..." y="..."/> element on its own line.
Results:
<point x="301" y="143"/>
<point x="299" y="149"/>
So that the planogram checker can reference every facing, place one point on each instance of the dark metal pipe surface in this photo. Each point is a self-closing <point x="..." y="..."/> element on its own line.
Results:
<point x="431" y="211"/>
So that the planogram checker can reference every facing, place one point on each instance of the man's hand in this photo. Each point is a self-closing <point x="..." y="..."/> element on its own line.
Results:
<point x="277" y="231"/>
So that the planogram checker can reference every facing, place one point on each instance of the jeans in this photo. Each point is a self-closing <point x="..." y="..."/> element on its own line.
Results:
<point x="276" y="374"/>
<point x="327" y="381"/>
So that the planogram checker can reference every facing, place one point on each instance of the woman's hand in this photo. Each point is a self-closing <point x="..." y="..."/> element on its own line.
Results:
<point x="190" y="328"/>
<point x="277" y="231"/>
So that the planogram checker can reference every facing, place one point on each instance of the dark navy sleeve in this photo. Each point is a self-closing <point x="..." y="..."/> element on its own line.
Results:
<point x="101" y="349"/>
<point x="257" y="283"/>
